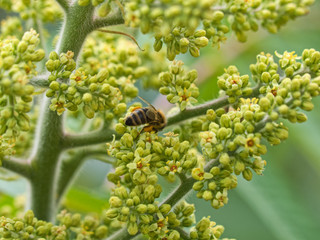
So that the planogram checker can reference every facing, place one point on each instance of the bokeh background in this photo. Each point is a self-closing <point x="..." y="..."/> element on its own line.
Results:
<point x="284" y="203"/>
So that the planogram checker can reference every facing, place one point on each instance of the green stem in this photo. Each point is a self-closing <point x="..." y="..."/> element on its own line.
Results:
<point x="91" y="138"/>
<point x="63" y="4"/>
<point x="49" y="135"/>
<point x="17" y="166"/>
<point x="40" y="81"/>
<point x="112" y="19"/>
<point x="70" y="166"/>
<point x="202" y="109"/>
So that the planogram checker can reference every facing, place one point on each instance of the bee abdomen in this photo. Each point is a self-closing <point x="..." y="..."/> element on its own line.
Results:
<point x="137" y="117"/>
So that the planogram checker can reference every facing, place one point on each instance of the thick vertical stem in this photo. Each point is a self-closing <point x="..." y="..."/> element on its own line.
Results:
<point x="44" y="164"/>
<point x="49" y="137"/>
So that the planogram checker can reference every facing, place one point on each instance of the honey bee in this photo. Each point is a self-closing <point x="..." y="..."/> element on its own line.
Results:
<point x="154" y="119"/>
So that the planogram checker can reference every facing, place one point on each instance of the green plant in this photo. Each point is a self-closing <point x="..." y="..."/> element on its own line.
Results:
<point x="92" y="75"/>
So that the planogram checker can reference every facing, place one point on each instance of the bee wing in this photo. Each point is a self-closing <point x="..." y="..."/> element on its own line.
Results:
<point x="142" y="99"/>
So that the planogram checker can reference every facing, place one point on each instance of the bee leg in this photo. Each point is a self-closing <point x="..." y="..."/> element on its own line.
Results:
<point x="148" y="128"/>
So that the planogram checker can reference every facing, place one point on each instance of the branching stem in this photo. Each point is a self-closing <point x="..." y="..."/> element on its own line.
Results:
<point x="17" y="166"/>
<point x="71" y="165"/>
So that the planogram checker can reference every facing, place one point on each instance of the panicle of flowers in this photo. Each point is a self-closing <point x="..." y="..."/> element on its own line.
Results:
<point x="179" y="85"/>
<point x="139" y="158"/>
<point x="234" y="138"/>
<point x="44" y="10"/>
<point x="103" y="84"/>
<point x="68" y="226"/>
<point x="17" y="58"/>
<point x="11" y="26"/>
<point x="192" y="25"/>
<point x="206" y="229"/>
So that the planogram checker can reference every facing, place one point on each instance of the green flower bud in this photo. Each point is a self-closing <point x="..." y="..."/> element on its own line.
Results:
<point x="115" y="202"/>
<point x="18" y="226"/>
<point x="120" y="108"/>
<point x="157" y="45"/>
<point x="207" y="195"/>
<point x="225" y="121"/>
<point x="194" y="51"/>
<point x="127" y="140"/>
<point x="53" y="56"/>
<point x="307" y="105"/>
<point x="224" y="159"/>
<point x="247" y="174"/>
<point x="211" y="115"/>
<point x="164" y="90"/>
<point x="8" y="62"/>
<point x="239" y="128"/>
<point x="301" y="117"/>
<point x="201" y="42"/>
<point x="120" y="128"/>
<point x="22" y="46"/>
<point x="39" y="55"/>
<point x="88" y="111"/>
<point x="239" y="167"/>
<point x="248" y="115"/>
<point x="264" y="104"/>
<point x="283" y="109"/>
<point x="194" y="234"/>
<point x="217" y="16"/>
<point x="132" y="228"/>
<point x="112" y="213"/>
<point x="50" y="65"/>
<point x="101" y="232"/>
<point x="165" y="208"/>
<point x="184" y="42"/>
<point x="102" y="75"/>
<point x="222" y="133"/>
<point x="54" y="85"/>
<point x="28" y="217"/>
<point x="121" y="170"/>
<point x="141" y="208"/>
<point x="197" y="186"/>
<point x="149" y="191"/>
<point x="265" y="77"/>
<point x="157" y="147"/>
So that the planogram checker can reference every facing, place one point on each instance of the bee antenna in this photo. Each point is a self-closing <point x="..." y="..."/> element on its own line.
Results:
<point x="142" y="99"/>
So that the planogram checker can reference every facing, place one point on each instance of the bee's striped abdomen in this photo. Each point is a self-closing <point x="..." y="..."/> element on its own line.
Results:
<point x="137" y="117"/>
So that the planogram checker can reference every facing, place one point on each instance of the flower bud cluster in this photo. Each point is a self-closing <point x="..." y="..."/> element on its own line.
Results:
<point x="103" y="84"/>
<point x="234" y="138"/>
<point x="123" y="59"/>
<point x="206" y="229"/>
<point x="70" y="226"/>
<point x="179" y="85"/>
<point x="105" y="81"/>
<point x="234" y="85"/>
<point x="139" y="158"/>
<point x="11" y="26"/>
<point x="44" y="10"/>
<point x="17" y="66"/>
<point x="190" y="25"/>
<point x="247" y="15"/>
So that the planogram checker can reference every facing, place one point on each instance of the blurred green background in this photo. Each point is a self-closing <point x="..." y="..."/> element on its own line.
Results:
<point x="283" y="204"/>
